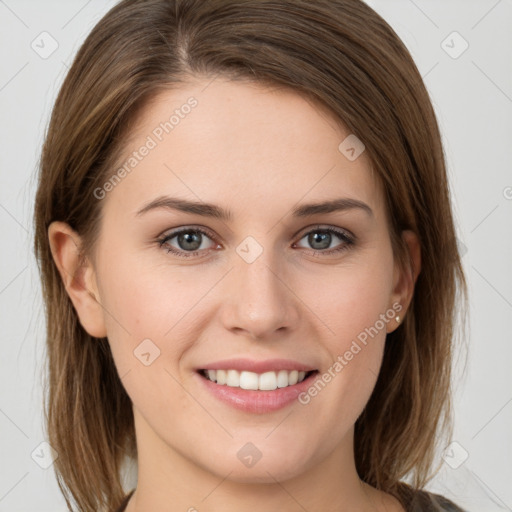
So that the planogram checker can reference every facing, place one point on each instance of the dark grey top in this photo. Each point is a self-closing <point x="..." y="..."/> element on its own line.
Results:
<point x="423" y="501"/>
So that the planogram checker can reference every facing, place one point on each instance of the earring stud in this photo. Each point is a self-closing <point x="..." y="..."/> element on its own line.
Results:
<point x="397" y="319"/>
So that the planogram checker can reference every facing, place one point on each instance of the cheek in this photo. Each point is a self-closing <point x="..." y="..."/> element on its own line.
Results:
<point x="355" y="306"/>
<point x="149" y="298"/>
<point x="354" y="296"/>
<point x="149" y="331"/>
<point x="146" y="305"/>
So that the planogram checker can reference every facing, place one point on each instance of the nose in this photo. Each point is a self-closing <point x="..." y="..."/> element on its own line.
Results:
<point x="259" y="299"/>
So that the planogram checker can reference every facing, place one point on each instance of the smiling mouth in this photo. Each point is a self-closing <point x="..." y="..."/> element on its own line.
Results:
<point x="267" y="381"/>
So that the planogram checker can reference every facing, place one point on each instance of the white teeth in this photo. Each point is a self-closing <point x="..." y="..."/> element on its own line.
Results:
<point x="282" y="379"/>
<point x="248" y="380"/>
<point x="267" y="381"/>
<point x="221" y="376"/>
<point x="233" y="379"/>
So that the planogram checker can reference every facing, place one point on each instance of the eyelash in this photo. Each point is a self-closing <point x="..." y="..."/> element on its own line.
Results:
<point x="348" y="241"/>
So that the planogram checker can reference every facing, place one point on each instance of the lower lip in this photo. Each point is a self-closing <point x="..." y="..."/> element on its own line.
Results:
<point x="256" y="401"/>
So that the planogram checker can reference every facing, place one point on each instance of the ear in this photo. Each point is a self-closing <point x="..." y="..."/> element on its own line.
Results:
<point x="405" y="278"/>
<point x="78" y="277"/>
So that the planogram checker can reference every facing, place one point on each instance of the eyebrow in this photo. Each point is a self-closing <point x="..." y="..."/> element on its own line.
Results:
<point x="217" y="212"/>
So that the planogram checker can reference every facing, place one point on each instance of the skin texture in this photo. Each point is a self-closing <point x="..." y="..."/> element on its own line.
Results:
<point x="258" y="152"/>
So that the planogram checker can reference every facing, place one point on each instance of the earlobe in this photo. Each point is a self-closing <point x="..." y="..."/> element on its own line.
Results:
<point x="405" y="279"/>
<point x="78" y="277"/>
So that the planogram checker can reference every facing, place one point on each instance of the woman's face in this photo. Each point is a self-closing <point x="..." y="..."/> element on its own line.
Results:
<point x="271" y="287"/>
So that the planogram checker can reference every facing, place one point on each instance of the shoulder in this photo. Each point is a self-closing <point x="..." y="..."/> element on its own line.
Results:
<point x="424" y="501"/>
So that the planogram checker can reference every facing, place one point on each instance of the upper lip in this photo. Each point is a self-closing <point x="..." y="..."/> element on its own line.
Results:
<point x="249" y="365"/>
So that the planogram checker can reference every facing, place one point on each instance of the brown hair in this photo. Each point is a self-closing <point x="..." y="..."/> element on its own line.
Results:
<point x="339" y="53"/>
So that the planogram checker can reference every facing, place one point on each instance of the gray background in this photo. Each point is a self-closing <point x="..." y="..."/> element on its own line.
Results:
<point x="472" y="94"/>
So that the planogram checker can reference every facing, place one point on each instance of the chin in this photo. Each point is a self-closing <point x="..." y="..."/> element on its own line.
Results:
<point x="268" y="474"/>
<point x="252" y="466"/>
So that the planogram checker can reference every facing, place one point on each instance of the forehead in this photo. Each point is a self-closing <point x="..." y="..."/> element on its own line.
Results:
<point x="221" y="140"/>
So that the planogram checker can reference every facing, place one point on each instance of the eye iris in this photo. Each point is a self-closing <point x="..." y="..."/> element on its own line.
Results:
<point x="189" y="240"/>
<point x="318" y="237"/>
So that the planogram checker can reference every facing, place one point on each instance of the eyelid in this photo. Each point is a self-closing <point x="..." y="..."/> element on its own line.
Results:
<point x="343" y="233"/>
<point x="170" y="233"/>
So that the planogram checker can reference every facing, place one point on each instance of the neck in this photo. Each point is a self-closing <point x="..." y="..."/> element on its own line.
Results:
<point x="170" y="481"/>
